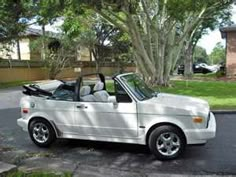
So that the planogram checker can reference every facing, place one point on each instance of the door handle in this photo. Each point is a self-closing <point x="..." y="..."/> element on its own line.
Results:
<point x="81" y="106"/>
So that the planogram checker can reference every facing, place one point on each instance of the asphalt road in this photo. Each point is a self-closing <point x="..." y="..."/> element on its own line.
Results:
<point x="218" y="156"/>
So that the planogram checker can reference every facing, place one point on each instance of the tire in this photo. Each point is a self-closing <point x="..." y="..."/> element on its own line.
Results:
<point x="42" y="133"/>
<point x="166" y="142"/>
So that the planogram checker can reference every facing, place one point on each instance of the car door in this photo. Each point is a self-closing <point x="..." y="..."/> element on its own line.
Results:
<point x="110" y="119"/>
<point x="60" y="109"/>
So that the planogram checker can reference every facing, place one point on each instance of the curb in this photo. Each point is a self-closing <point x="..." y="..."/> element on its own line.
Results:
<point x="6" y="168"/>
<point x="224" y="111"/>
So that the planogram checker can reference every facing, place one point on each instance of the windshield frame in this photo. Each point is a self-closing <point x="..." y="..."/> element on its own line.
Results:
<point x="141" y="91"/>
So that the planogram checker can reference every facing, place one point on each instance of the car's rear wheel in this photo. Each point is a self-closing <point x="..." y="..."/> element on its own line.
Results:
<point x="166" y="142"/>
<point x="42" y="133"/>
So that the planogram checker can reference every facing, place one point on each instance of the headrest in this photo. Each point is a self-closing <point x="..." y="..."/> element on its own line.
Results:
<point x="99" y="86"/>
<point x="85" y="90"/>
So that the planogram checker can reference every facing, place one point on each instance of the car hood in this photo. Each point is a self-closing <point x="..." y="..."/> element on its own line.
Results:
<point x="176" y="105"/>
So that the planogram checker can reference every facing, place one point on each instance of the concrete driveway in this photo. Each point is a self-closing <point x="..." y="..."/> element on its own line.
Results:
<point x="85" y="158"/>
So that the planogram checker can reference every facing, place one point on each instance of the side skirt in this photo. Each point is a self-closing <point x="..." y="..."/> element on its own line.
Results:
<point x="139" y="140"/>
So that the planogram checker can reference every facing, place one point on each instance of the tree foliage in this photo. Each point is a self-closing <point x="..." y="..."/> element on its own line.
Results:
<point x="160" y="30"/>
<point x="159" y="33"/>
<point x="218" y="54"/>
<point x="13" y="15"/>
<point x="103" y="39"/>
<point x="61" y="52"/>
<point x="200" y="55"/>
<point x="220" y="16"/>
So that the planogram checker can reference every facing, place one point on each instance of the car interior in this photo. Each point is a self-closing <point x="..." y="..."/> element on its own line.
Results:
<point x="92" y="89"/>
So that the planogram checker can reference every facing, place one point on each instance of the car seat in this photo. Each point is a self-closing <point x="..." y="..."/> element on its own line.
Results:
<point x="100" y="94"/>
<point x="85" y="94"/>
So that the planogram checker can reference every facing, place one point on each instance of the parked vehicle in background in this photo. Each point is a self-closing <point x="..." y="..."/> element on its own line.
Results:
<point x="223" y="68"/>
<point x="200" y="68"/>
<point x="210" y="68"/>
<point x="133" y="113"/>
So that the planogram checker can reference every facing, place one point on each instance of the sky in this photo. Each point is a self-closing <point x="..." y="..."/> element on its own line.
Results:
<point x="208" y="41"/>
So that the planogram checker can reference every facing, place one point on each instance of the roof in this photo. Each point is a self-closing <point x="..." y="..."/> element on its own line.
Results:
<point x="228" y="28"/>
<point x="38" y="32"/>
<point x="33" y="32"/>
<point x="224" y="30"/>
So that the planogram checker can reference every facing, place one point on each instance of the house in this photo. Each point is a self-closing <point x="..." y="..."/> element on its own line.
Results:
<point x="23" y="49"/>
<point x="83" y="54"/>
<point x="229" y="33"/>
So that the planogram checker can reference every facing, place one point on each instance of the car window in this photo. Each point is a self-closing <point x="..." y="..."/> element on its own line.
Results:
<point x="121" y="94"/>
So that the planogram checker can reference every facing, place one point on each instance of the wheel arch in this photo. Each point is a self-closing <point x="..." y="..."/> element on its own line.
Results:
<point x="51" y="123"/>
<point x="153" y="127"/>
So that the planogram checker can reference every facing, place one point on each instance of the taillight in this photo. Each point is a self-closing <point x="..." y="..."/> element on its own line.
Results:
<point x="25" y="110"/>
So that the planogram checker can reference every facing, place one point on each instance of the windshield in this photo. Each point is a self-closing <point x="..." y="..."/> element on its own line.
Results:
<point x="138" y="87"/>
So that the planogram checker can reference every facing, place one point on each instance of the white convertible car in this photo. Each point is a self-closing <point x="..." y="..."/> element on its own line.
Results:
<point x="133" y="113"/>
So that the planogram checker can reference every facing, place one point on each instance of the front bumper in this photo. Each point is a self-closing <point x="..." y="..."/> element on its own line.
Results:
<point x="199" y="136"/>
<point x="23" y="123"/>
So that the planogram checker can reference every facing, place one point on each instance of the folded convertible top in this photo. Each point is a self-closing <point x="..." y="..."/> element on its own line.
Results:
<point x="33" y="90"/>
<point x="41" y="89"/>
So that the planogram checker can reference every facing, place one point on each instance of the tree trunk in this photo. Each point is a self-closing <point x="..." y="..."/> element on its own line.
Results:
<point x="18" y="49"/>
<point x="139" y="48"/>
<point x="97" y="60"/>
<point x="154" y="35"/>
<point x="43" y="50"/>
<point x="188" y="61"/>
<point x="160" y="62"/>
<point x="90" y="55"/>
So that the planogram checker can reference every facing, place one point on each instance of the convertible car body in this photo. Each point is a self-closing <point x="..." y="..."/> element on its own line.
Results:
<point x="132" y="113"/>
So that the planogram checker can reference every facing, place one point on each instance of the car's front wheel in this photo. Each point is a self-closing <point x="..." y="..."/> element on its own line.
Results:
<point x="41" y="133"/>
<point x="166" y="142"/>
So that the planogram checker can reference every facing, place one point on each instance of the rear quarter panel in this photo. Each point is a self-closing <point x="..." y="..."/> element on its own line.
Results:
<point x="60" y="112"/>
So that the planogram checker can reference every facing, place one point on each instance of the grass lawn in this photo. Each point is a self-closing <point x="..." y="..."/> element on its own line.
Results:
<point x="37" y="174"/>
<point x="210" y="76"/>
<point x="220" y="95"/>
<point x="13" y="84"/>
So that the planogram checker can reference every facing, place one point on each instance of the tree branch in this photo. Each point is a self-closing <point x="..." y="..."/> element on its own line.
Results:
<point x="193" y="24"/>
<point x="112" y="21"/>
